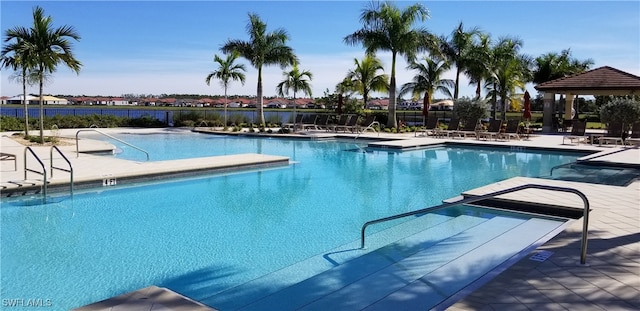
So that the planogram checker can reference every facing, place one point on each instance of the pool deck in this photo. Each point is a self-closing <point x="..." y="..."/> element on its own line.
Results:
<point x="549" y="278"/>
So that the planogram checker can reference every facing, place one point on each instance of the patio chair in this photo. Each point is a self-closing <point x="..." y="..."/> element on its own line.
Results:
<point x="577" y="133"/>
<point x="469" y="130"/>
<point x="511" y="130"/>
<point x="322" y="122"/>
<point x="454" y="124"/>
<point x="614" y="134"/>
<point x="634" y="139"/>
<point x="351" y="125"/>
<point x="367" y="124"/>
<point x="430" y="128"/>
<point x="342" y="122"/>
<point x="297" y="122"/>
<point x="493" y="131"/>
<point x="309" y="121"/>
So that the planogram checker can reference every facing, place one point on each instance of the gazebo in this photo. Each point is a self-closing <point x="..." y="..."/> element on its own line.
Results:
<point x="600" y="81"/>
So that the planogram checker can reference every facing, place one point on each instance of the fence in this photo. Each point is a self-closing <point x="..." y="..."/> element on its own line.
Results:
<point x="408" y="117"/>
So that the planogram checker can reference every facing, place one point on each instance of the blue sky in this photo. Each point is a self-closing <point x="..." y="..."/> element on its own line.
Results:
<point x="167" y="47"/>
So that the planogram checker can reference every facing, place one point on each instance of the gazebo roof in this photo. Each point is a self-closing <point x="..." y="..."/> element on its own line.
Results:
<point x="600" y="81"/>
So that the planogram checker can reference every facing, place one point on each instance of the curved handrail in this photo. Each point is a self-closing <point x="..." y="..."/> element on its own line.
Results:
<point x="105" y="134"/>
<point x="585" y="219"/>
<point x="43" y="173"/>
<point x="70" y="170"/>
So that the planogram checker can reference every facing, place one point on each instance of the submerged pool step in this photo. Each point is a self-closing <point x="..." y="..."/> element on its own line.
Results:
<point x="432" y="259"/>
<point x="439" y="226"/>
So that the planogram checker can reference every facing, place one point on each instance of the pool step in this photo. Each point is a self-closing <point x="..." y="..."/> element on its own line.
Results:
<point x="386" y="277"/>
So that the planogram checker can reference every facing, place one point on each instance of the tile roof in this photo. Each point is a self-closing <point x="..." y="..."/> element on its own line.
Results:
<point x="600" y="79"/>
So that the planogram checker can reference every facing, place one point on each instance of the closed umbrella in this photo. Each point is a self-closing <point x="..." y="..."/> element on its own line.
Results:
<point x="339" y="109"/>
<point x="527" y="106"/>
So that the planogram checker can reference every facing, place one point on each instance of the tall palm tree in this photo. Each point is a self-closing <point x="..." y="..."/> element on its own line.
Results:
<point x="481" y="57"/>
<point x="50" y="47"/>
<point x="428" y="80"/>
<point x="457" y="50"/>
<point x="15" y="55"/>
<point x="295" y="80"/>
<point x="365" y="78"/>
<point x="227" y="71"/>
<point x="509" y="72"/>
<point x="387" y="28"/>
<point x="262" y="49"/>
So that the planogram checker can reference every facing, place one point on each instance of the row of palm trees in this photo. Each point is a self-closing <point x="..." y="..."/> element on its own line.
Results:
<point x="499" y="67"/>
<point x="36" y="52"/>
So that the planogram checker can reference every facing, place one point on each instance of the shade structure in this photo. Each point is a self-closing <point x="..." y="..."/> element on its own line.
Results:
<point x="527" y="106"/>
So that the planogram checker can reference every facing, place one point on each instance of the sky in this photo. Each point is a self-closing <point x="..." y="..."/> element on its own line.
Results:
<point x="167" y="47"/>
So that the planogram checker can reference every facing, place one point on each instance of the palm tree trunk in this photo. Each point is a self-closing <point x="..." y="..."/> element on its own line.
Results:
<point x="457" y="86"/>
<point x="259" y="108"/>
<point x="25" y="103"/>
<point x="391" y="121"/>
<point x="295" y="126"/>
<point x="225" y="108"/>
<point x="41" y="113"/>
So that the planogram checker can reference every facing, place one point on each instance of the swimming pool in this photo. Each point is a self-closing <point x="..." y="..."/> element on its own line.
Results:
<point x="207" y="235"/>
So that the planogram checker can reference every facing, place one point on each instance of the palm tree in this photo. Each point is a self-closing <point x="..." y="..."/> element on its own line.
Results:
<point x="509" y="72"/>
<point x="387" y="28"/>
<point x="551" y="66"/>
<point x="481" y="58"/>
<point x="262" y="49"/>
<point x="295" y="80"/>
<point x="15" y="56"/>
<point x="456" y="50"/>
<point x="365" y="78"/>
<point x="428" y="80"/>
<point x="49" y="47"/>
<point x="227" y="70"/>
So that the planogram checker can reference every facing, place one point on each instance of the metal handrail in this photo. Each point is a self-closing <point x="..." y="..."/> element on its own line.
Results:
<point x="105" y="134"/>
<point x="43" y="173"/>
<point x="70" y="170"/>
<point x="585" y="219"/>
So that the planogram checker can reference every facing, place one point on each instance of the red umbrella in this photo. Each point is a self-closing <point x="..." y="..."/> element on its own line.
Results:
<point x="527" y="106"/>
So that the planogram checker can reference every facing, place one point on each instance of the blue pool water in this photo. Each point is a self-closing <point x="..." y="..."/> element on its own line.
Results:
<point x="206" y="235"/>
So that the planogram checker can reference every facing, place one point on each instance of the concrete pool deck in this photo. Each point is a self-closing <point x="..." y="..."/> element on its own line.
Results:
<point x="549" y="278"/>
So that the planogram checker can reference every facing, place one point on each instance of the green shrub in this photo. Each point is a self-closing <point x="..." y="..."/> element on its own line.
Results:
<point x="470" y="110"/>
<point x="623" y="110"/>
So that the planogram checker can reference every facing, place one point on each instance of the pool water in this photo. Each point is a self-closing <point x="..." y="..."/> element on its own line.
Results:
<point x="206" y="235"/>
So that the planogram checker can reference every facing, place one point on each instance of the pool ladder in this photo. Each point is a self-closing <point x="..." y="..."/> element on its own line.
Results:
<point x="43" y="173"/>
<point x="585" y="218"/>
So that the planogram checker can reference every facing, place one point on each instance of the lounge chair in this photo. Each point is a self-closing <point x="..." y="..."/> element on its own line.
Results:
<point x="309" y="122"/>
<point x="634" y="139"/>
<point x="511" y="130"/>
<point x="351" y="125"/>
<point x="454" y="124"/>
<point x="469" y="130"/>
<point x="614" y="134"/>
<point x="578" y="129"/>
<point x="367" y="124"/>
<point x="493" y="131"/>
<point x="322" y="122"/>
<point x="342" y="122"/>
<point x="297" y="122"/>
<point x="430" y="128"/>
